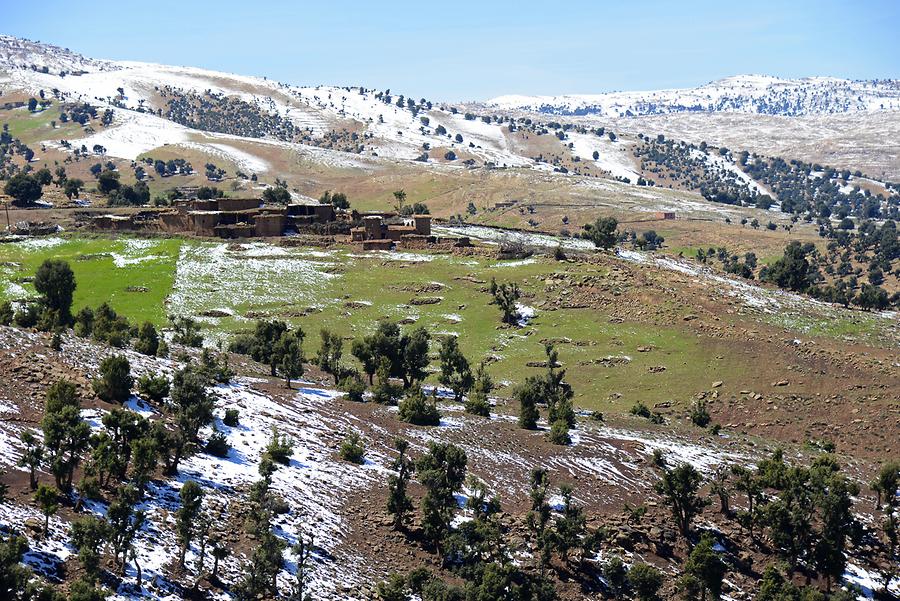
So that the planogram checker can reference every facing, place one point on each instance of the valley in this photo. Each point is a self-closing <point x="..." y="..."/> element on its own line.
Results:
<point x="272" y="341"/>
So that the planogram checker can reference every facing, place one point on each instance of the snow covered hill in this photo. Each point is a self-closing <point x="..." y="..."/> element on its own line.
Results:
<point x="742" y="94"/>
<point x="253" y="123"/>
<point x="368" y="122"/>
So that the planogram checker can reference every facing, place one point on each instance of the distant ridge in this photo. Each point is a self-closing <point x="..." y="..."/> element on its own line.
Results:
<point x="760" y="94"/>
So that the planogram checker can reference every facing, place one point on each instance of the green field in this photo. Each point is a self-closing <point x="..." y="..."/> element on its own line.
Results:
<point x="227" y="286"/>
<point x="32" y="128"/>
<point x="134" y="275"/>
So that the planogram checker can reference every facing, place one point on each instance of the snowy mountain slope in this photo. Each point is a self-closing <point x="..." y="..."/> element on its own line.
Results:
<point x="385" y="129"/>
<point x="741" y="94"/>
<point x="365" y="130"/>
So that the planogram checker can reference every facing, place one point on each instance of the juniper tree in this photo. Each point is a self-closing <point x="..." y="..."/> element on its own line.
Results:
<point x="193" y="410"/>
<point x="886" y="487"/>
<point x="645" y="580"/>
<point x="834" y="503"/>
<point x="705" y="566"/>
<point x="529" y="394"/>
<point x="417" y="409"/>
<point x="352" y="448"/>
<point x="219" y="552"/>
<point x="399" y="503"/>
<point x="384" y="392"/>
<point x="260" y="576"/>
<point x="32" y="457"/>
<point x="124" y="426"/>
<point x="887" y="484"/>
<point x="115" y="381"/>
<point x="147" y="342"/>
<point x="289" y="353"/>
<point x="48" y="500"/>
<point x="442" y="472"/>
<point x="746" y="482"/>
<point x="506" y="296"/>
<point x="329" y="356"/>
<point x="144" y="459"/>
<point x="55" y="282"/>
<point x="302" y="550"/>
<point x="602" y="232"/>
<point x="124" y="524"/>
<point x="191" y="496"/>
<point x="679" y="487"/>
<point x="720" y="485"/>
<point x="187" y="332"/>
<point x="153" y="387"/>
<point x="477" y="402"/>
<point x="414" y="358"/>
<point x="66" y="434"/>
<point x="261" y="343"/>
<point x="570" y="525"/>
<point x="88" y="534"/>
<point x="455" y="371"/>
<point x="14" y="575"/>
<point x="538" y="517"/>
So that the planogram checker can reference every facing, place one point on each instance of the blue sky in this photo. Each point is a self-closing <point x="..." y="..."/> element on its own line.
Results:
<point x="464" y="50"/>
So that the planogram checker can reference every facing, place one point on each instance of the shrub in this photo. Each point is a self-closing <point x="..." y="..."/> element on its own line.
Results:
<point x="354" y="387"/>
<point x="6" y="313"/>
<point x="231" y="418"/>
<point x="280" y="448"/>
<point x="217" y="445"/>
<point x="148" y="340"/>
<point x="645" y="580"/>
<point x="699" y="414"/>
<point x="418" y="410"/>
<point x="559" y="433"/>
<point x="56" y="341"/>
<point x="154" y="388"/>
<point x="641" y="410"/>
<point x="27" y="317"/>
<point x="352" y="448"/>
<point x="477" y="404"/>
<point x="115" y="381"/>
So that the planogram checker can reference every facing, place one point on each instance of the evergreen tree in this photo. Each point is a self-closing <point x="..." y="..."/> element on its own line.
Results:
<point x="418" y="409"/>
<point x="645" y="580"/>
<point x="679" y="487"/>
<point x="88" y="534"/>
<point x="529" y="394"/>
<point x="455" y="371"/>
<point x="124" y="524"/>
<point x="115" y="381"/>
<point x="289" y="351"/>
<point x="48" y="500"/>
<point x="506" y="296"/>
<point x="148" y="340"/>
<point x="55" y="282"/>
<point x="477" y="402"/>
<point x="32" y="456"/>
<point x="571" y="525"/>
<point x="706" y="567"/>
<point x="442" y="472"/>
<point x="399" y="504"/>
<point x="66" y="434"/>
<point x="602" y="232"/>
<point x="329" y="357"/>
<point x="186" y="517"/>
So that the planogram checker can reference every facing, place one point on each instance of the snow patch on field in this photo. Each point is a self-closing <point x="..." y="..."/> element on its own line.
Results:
<point x="240" y="276"/>
<point x="613" y="157"/>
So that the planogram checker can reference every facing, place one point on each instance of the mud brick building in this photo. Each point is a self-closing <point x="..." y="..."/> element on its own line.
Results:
<point x="241" y="217"/>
